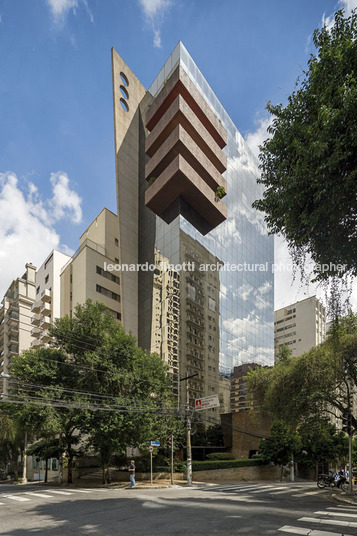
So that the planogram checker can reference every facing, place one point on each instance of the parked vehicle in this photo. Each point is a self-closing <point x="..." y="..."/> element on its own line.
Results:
<point x="333" y="479"/>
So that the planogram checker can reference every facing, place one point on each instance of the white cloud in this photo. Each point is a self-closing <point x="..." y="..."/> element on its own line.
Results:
<point x="259" y="135"/>
<point x="60" y="9"/>
<point x="27" y="232"/>
<point x="153" y="12"/>
<point x="65" y="202"/>
<point x="288" y="290"/>
<point x="346" y="5"/>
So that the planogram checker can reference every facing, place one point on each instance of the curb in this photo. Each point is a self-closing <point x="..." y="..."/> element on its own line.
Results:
<point x="343" y="500"/>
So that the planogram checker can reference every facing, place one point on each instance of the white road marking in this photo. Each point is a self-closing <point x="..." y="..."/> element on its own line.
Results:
<point x="338" y="514"/>
<point x="16" y="498"/>
<point x="338" y="522"/>
<point x="44" y="495"/>
<point x="309" y="532"/>
<point x="60" y="492"/>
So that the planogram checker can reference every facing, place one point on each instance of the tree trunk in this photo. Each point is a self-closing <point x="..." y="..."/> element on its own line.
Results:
<point x="46" y="469"/>
<point x="70" y="466"/>
<point x="105" y="455"/>
<point x="282" y="472"/>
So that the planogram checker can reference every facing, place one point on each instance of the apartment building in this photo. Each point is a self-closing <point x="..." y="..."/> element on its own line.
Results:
<point x="84" y="275"/>
<point x="238" y="398"/>
<point x="15" y="322"/>
<point x="300" y="326"/>
<point x="47" y="306"/>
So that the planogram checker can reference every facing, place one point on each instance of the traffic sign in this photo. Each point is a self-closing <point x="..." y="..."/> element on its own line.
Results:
<point x="207" y="402"/>
<point x="154" y="443"/>
<point x="151" y="448"/>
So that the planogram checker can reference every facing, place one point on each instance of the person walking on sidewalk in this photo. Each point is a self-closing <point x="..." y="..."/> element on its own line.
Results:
<point x="132" y="474"/>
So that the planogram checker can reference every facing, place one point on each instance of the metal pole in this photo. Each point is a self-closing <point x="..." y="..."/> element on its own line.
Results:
<point x="292" y="476"/>
<point x="151" y="468"/>
<point x="172" y="459"/>
<point x="189" y="450"/>
<point x="350" y="472"/>
<point x="24" y="470"/>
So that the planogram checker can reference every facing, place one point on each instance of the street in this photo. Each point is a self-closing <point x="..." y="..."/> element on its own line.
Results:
<point x="222" y="510"/>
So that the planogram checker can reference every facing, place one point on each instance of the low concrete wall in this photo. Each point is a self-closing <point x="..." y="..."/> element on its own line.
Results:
<point x="262" y="472"/>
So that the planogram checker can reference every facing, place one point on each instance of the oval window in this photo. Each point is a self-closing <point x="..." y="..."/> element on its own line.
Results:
<point x="124" y="92"/>
<point x="124" y="105"/>
<point x="124" y="79"/>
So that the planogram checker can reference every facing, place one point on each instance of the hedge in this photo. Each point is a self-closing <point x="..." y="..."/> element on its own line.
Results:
<point x="221" y="464"/>
<point x="220" y="456"/>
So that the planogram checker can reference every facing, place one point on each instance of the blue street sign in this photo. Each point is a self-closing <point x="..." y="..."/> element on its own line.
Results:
<point x="154" y="443"/>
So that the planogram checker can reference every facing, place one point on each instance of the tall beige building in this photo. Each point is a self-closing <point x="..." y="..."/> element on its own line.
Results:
<point x="300" y="326"/>
<point x="84" y="276"/>
<point x="15" y="321"/>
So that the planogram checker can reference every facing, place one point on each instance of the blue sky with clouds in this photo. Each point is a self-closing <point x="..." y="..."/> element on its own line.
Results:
<point x="56" y="119"/>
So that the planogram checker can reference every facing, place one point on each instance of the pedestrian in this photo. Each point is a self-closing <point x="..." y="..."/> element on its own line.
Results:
<point x="132" y="474"/>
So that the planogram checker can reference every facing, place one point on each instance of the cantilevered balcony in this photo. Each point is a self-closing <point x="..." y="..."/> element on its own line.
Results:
<point x="35" y="332"/>
<point x="186" y="163"/>
<point x="36" y="307"/>
<point x="36" y="343"/>
<point x="35" y="320"/>
<point x="45" y="322"/>
<point x="46" y="308"/>
<point x="45" y="336"/>
<point x="46" y="295"/>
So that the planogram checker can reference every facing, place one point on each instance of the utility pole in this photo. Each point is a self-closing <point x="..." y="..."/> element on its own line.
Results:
<point x="172" y="459"/>
<point x="188" y="425"/>
<point x="24" y="470"/>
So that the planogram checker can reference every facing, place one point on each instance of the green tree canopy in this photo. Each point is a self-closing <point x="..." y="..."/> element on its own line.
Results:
<point x="317" y="382"/>
<point x="98" y="384"/>
<point x="309" y="162"/>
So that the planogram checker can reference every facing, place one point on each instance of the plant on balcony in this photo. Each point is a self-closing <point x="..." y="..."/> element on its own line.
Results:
<point x="151" y="180"/>
<point x="220" y="192"/>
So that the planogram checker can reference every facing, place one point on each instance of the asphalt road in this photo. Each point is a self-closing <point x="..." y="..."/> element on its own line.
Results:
<point x="245" y="509"/>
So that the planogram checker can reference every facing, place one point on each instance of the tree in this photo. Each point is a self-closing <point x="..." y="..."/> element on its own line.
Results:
<point x="45" y="449"/>
<point x="309" y="163"/>
<point x="280" y="446"/>
<point x="98" y="385"/>
<point x="321" y="443"/>
<point x="321" y="381"/>
<point x="12" y="441"/>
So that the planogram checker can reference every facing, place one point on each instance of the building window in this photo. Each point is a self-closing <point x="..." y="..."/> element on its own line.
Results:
<point x="108" y="275"/>
<point x="116" y="241"/>
<point x="37" y="290"/>
<point x="47" y="278"/>
<point x="107" y="293"/>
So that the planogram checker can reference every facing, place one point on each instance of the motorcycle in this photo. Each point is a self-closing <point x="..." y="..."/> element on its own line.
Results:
<point x="337" y="480"/>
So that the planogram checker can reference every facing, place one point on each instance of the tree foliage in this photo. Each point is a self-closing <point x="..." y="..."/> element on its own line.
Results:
<point x="309" y="162"/>
<point x="99" y="386"/>
<point x="321" y="381"/>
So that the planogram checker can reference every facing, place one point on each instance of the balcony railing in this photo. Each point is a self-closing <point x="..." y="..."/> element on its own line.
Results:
<point x="36" y="307"/>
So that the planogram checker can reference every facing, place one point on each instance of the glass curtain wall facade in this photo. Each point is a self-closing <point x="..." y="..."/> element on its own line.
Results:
<point x="245" y="302"/>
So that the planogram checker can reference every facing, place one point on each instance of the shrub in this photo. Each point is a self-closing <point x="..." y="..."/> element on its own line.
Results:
<point x="220" y="192"/>
<point x="151" y="180"/>
<point x="220" y="456"/>
<point x="221" y="464"/>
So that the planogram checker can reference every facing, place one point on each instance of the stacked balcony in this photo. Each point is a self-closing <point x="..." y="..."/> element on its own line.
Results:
<point x="186" y="163"/>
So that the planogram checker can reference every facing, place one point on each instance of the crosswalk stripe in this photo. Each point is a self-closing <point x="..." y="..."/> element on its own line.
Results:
<point x="44" y="495"/>
<point x="80" y="490"/>
<point x="342" y="509"/>
<point x="290" y="490"/>
<point x="338" y="514"/>
<point x="317" y="492"/>
<point x="60" y="492"/>
<point x="1" y="504"/>
<point x="16" y="498"/>
<point x="265" y="488"/>
<point x="338" y="522"/>
<point x="309" y="532"/>
<point x="235" y="487"/>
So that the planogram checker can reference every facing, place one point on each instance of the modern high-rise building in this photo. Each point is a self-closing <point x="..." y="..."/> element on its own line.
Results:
<point x="300" y="326"/>
<point x="15" y="322"/>
<point x="202" y="293"/>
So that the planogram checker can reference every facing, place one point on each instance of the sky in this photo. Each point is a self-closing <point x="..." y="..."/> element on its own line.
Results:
<point x="56" y="109"/>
